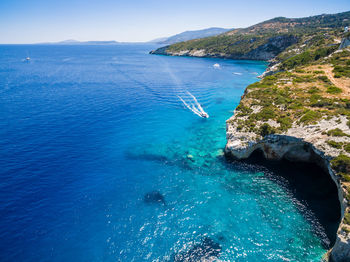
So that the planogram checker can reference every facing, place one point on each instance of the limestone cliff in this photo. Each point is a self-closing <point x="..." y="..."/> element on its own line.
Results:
<point x="302" y="114"/>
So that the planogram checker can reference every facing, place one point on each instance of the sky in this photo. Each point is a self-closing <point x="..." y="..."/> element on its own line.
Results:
<point x="35" y="21"/>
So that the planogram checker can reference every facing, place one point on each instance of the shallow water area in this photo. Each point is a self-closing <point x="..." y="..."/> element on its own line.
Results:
<point x="101" y="161"/>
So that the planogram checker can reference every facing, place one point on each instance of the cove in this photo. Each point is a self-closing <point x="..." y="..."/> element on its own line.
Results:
<point x="100" y="160"/>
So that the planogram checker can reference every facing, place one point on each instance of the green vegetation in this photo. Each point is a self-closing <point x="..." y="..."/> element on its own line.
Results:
<point x="267" y="36"/>
<point x="341" y="71"/>
<point x="347" y="148"/>
<point x="266" y="129"/>
<point x="285" y="122"/>
<point x="313" y="90"/>
<point x="347" y="230"/>
<point x="335" y="144"/>
<point x="307" y="57"/>
<point x="325" y="79"/>
<point x="333" y="90"/>
<point x="310" y="117"/>
<point x="336" y="132"/>
<point x="341" y="64"/>
<point x="347" y="218"/>
<point x="266" y="114"/>
<point x="341" y="164"/>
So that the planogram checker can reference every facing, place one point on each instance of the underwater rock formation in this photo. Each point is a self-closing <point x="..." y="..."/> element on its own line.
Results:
<point x="154" y="197"/>
<point x="207" y="250"/>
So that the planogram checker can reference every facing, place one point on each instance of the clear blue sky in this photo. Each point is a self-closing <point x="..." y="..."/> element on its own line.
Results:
<point x="30" y="21"/>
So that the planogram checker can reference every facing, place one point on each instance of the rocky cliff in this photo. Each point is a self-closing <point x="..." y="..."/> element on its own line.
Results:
<point x="302" y="115"/>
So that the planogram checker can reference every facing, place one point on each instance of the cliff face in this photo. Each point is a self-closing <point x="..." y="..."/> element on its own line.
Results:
<point x="277" y="147"/>
<point x="266" y="51"/>
<point x="301" y="115"/>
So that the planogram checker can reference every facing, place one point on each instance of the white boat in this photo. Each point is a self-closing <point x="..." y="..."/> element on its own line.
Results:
<point x="204" y="115"/>
<point x="27" y="58"/>
<point x="216" y="65"/>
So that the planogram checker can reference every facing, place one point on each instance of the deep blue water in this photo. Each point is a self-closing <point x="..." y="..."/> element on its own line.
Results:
<point x="87" y="131"/>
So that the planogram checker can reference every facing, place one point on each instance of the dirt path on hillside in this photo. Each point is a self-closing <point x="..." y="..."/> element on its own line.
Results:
<point x="329" y="74"/>
<point x="344" y="84"/>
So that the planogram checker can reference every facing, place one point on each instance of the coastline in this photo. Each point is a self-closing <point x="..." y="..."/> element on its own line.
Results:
<point x="300" y="135"/>
<point x="298" y="143"/>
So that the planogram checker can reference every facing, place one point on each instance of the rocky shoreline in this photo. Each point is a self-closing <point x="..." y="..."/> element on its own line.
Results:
<point x="299" y="143"/>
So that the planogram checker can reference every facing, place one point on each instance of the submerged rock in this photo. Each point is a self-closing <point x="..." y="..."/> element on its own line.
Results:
<point x="154" y="197"/>
<point x="207" y="250"/>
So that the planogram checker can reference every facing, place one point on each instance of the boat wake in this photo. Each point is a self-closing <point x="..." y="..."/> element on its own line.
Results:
<point x="194" y="106"/>
<point x="189" y="100"/>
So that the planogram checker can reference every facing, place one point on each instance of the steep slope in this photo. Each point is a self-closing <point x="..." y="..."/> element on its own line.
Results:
<point x="301" y="112"/>
<point x="262" y="41"/>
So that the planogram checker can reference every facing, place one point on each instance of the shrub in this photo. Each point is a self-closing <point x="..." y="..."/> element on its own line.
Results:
<point x="285" y="122"/>
<point x="266" y="114"/>
<point x="307" y="57"/>
<point x="324" y="79"/>
<point x="347" y="218"/>
<point x="313" y="90"/>
<point x="335" y="144"/>
<point x="347" y="148"/>
<point x="336" y="132"/>
<point x="341" y="164"/>
<point x="243" y="109"/>
<point x="333" y="90"/>
<point x="347" y="230"/>
<point x="266" y="129"/>
<point x="310" y="117"/>
<point x="340" y="71"/>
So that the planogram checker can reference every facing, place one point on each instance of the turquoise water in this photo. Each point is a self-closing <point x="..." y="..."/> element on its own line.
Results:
<point x="87" y="131"/>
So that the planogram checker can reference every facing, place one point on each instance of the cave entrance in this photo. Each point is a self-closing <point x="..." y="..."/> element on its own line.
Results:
<point x="311" y="185"/>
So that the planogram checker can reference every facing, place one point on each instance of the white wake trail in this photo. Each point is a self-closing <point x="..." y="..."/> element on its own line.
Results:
<point x="192" y="107"/>
<point x="197" y="103"/>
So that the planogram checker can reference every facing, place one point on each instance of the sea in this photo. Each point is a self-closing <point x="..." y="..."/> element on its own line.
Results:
<point x="104" y="157"/>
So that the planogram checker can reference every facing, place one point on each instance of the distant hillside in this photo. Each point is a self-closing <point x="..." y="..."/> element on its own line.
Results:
<point x="189" y="35"/>
<point x="75" y="42"/>
<point x="262" y="41"/>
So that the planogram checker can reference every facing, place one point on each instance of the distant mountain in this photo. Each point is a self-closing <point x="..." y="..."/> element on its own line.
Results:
<point x="75" y="42"/>
<point x="189" y="35"/>
<point x="158" y="40"/>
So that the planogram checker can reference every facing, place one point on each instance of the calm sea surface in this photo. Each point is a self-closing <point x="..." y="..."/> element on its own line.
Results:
<point x="101" y="161"/>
